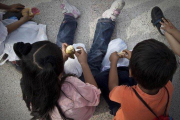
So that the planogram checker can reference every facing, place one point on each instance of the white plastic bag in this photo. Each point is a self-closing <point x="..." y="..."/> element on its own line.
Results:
<point x="72" y="66"/>
<point x="29" y="32"/>
<point x="117" y="45"/>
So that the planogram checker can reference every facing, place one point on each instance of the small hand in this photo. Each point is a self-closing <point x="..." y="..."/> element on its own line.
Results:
<point x="15" y="7"/>
<point x="167" y="26"/>
<point x="27" y="17"/>
<point x="81" y="56"/>
<point x="65" y="55"/>
<point x="114" y="57"/>
<point x="127" y="54"/>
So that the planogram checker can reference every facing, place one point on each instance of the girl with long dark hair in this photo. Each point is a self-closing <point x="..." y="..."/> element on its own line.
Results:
<point x="48" y="93"/>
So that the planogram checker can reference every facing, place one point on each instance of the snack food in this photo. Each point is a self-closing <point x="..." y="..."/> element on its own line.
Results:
<point x="32" y="11"/>
<point x="70" y="50"/>
<point x="35" y="11"/>
<point x="121" y="54"/>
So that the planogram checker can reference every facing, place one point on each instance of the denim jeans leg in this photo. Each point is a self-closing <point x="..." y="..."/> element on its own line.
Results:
<point x="102" y="37"/>
<point x="67" y="31"/>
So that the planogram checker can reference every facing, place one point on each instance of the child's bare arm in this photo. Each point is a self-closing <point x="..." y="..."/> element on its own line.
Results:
<point x="171" y="29"/>
<point x="175" y="45"/>
<point x="176" y="35"/>
<point x="17" y="24"/>
<point x="15" y="8"/>
<point x="3" y="6"/>
<point x="12" y="8"/>
<point x="88" y="75"/>
<point x="113" y="75"/>
<point x="82" y="58"/>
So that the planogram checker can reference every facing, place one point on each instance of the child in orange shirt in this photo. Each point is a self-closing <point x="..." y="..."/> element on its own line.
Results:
<point x="152" y="65"/>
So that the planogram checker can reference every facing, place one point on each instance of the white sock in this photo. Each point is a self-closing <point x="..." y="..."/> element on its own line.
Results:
<point x="163" y="32"/>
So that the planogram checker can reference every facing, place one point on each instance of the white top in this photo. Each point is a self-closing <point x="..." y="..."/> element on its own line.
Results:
<point x="29" y="32"/>
<point x="3" y="34"/>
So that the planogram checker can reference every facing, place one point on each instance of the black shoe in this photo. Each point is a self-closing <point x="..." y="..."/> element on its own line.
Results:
<point x="157" y="15"/>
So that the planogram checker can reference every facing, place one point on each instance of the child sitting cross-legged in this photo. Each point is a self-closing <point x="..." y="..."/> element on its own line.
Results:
<point x="152" y="65"/>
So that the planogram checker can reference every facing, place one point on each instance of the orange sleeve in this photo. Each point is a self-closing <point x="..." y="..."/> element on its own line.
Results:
<point x="116" y="94"/>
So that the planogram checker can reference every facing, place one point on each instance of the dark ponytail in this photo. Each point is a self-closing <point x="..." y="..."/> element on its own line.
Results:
<point x="47" y="89"/>
<point x="22" y="49"/>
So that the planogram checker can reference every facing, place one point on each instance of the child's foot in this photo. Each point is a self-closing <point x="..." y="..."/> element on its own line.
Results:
<point x="69" y="9"/>
<point x="114" y="10"/>
<point x="157" y="15"/>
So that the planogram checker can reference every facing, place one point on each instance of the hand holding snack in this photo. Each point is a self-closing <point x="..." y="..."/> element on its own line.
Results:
<point x="65" y="55"/>
<point x="127" y="54"/>
<point x="122" y="54"/>
<point x="81" y="55"/>
<point x="27" y="17"/>
<point x="30" y="11"/>
<point x="114" y="57"/>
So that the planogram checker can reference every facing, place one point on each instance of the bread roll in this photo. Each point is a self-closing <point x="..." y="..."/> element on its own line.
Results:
<point x="121" y="54"/>
<point x="70" y="50"/>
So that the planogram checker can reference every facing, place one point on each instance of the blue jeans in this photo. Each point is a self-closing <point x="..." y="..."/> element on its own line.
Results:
<point x="102" y="37"/>
<point x="67" y="31"/>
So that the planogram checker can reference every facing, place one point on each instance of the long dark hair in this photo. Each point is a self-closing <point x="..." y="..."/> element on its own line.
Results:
<point x="42" y="63"/>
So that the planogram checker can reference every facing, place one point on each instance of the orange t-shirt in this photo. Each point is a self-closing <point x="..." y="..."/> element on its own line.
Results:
<point x="133" y="109"/>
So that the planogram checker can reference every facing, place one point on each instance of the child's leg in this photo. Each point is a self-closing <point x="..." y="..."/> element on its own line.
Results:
<point x="103" y="33"/>
<point x="68" y="27"/>
<point x="67" y="31"/>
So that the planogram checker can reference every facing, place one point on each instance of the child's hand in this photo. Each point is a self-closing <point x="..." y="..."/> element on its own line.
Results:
<point x="114" y="57"/>
<point x="27" y="17"/>
<point x="128" y="54"/>
<point x="81" y="56"/>
<point x="65" y="55"/>
<point x="15" y="7"/>
<point x="168" y="26"/>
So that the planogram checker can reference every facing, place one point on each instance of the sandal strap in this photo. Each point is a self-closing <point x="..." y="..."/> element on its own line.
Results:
<point x="155" y="23"/>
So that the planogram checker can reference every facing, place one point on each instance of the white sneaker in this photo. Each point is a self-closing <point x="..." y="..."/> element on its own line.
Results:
<point x="114" y="10"/>
<point x="69" y="9"/>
